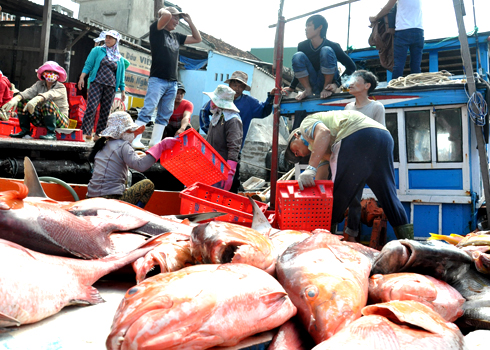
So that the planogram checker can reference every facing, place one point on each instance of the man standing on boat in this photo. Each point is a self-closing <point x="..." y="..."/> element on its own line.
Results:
<point x="315" y="63"/>
<point x="409" y="34"/>
<point x="162" y="85"/>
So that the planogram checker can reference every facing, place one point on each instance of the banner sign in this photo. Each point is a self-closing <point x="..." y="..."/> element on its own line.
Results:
<point x="138" y="72"/>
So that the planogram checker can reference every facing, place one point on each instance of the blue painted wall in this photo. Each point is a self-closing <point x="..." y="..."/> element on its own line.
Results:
<point x="435" y="179"/>
<point x="194" y="82"/>
<point x="220" y="67"/>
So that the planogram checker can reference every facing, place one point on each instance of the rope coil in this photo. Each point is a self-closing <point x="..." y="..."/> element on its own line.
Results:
<point x="422" y="79"/>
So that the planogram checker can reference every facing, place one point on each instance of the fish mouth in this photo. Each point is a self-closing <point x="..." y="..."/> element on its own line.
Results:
<point x="225" y="252"/>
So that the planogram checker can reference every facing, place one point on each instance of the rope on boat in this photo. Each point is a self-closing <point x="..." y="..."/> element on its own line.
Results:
<point x="477" y="108"/>
<point x="422" y="79"/>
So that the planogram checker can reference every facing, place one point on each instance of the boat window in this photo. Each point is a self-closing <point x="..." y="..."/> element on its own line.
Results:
<point x="417" y="129"/>
<point x="392" y="126"/>
<point x="449" y="135"/>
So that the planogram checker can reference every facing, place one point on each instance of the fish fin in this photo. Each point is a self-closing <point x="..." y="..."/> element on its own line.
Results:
<point x="122" y="222"/>
<point x="198" y="217"/>
<point x="374" y="330"/>
<point x="7" y="321"/>
<point x="273" y="301"/>
<point x="259" y="221"/>
<point x="31" y="180"/>
<point x="88" y="296"/>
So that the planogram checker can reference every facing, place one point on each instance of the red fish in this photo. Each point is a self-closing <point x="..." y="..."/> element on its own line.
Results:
<point x="397" y="325"/>
<point x="34" y="286"/>
<point x="482" y="261"/>
<point x="220" y="242"/>
<point x="291" y="336"/>
<point x="171" y="251"/>
<point x="327" y="281"/>
<point x="438" y="295"/>
<point x="199" y="307"/>
<point x="45" y="227"/>
<point x="281" y="240"/>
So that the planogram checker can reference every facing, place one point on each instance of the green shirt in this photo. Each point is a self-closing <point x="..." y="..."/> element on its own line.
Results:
<point x="340" y="123"/>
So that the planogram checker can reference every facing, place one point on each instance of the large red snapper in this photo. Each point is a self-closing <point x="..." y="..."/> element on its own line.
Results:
<point x="438" y="295"/>
<point x="327" y="281"/>
<point x="199" y="307"/>
<point x="45" y="227"/>
<point x="34" y="286"/>
<point x="171" y="251"/>
<point x="281" y="240"/>
<point x="220" y="242"/>
<point x="397" y="325"/>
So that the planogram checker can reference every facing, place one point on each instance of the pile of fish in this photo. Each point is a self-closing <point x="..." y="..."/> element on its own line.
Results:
<point x="220" y="283"/>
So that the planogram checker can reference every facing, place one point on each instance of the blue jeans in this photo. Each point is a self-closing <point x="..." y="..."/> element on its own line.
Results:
<point x="302" y="67"/>
<point x="412" y="39"/>
<point x="160" y="93"/>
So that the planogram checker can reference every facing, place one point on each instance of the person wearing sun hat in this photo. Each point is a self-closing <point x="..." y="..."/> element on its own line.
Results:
<point x="112" y="156"/>
<point x="43" y="104"/>
<point x="225" y="130"/>
<point x="106" y="69"/>
<point x="248" y="105"/>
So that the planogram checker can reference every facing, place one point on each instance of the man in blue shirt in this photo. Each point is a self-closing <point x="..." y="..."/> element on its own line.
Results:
<point x="249" y="108"/>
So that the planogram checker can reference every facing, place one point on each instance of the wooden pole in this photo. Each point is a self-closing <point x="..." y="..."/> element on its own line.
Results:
<point x="470" y="79"/>
<point x="46" y="31"/>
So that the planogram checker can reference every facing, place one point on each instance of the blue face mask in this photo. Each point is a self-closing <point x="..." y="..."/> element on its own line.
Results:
<point x="304" y="141"/>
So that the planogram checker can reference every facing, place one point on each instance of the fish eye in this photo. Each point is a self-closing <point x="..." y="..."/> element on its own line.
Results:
<point x="311" y="292"/>
<point x="130" y="293"/>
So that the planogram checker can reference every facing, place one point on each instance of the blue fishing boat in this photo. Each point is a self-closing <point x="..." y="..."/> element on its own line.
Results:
<point x="437" y="169"/>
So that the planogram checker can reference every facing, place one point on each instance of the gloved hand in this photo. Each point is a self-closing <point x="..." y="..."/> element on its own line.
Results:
<point x="231" y="174"/>
<point x="12" y="103"/>
<point x="307" y="178"/>
<point x="31" y="105"/>
<point x="166" y="143"/>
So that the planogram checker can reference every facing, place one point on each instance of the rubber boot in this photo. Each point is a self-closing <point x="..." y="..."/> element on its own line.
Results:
<point x="137" y="144"/>
<point x="50" y="124"/>
<point x="25" y="126"/>
<point x="156" y="135"/>
<point x="404" y="231"/>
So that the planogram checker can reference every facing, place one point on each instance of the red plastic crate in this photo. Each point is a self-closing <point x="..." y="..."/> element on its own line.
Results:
<point x="201" y="198"/>
<point x="7" y="128"/>
<point x="75" y="135"/>
<point x="77" y="100"/>
<point x="304" y="210"/>
<point x="194" y="160"/>
<point x="71" y="89"/>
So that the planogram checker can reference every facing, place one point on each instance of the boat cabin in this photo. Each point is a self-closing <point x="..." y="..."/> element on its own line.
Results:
<point x="437" y="170"/>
